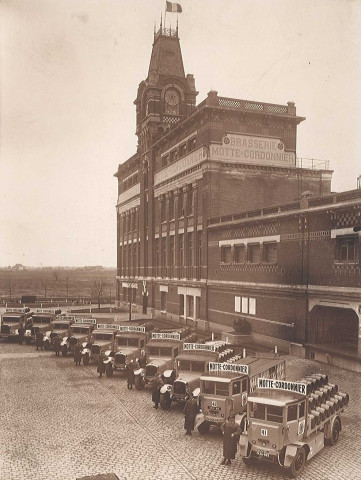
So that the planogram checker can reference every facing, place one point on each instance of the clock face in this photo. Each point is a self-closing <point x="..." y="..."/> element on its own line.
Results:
<point x="171" y="97"/>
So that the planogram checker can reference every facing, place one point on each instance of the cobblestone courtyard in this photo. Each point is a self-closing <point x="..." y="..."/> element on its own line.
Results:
<point x="58" y="421"/>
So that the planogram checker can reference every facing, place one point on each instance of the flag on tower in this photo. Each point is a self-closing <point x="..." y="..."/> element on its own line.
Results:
<point x="173" y="7"/>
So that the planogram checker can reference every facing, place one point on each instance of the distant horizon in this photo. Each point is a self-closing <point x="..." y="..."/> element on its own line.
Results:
<point x="2" y="267"/>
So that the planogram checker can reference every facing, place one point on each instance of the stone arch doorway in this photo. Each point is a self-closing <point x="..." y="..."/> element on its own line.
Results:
<point x="334" y="326"/>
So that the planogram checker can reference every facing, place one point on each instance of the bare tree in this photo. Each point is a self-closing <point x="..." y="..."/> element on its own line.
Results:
<point x="56" y="274"/>
<point x="44" y="284"/>
<point x="10" y="285"/>
<point x="96" y="289"/>
<point x="67" y="283"/>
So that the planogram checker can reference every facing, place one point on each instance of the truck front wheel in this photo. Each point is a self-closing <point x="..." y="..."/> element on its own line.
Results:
<point x="298" y="463"/>
<point x="64" y="351"/>
<point x="139" y="382"/>
<point x="109" y="370"/>
<point x="204" y="427"/>
<point x="46" y="346"/>
<point x="86" y="360"/>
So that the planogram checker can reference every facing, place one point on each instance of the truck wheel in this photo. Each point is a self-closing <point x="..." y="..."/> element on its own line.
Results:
<point x="109" y="370"/>
<point x="165" y="401"/>
<point x="336" y="428"/>
<point x="204" y="427"/>
<point x="64" y="351"/>
<point x="298" y="463"/>
<point x="86" y="360"/>
<point x="139" y="382"/>
<point x="46" y="346"/>
<point x="249" y="461"/>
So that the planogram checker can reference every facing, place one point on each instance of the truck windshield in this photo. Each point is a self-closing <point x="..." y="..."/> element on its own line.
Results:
<point x="61" y="326"/>
<point x="103" y="336"/>
<point x="38" y="319"/>
<point x="215" y="388"/>
<point x="11" y="319"/>
<point x="80" y="329"/>
<point x="260" y="411"/>
<point x="160" y="351"/>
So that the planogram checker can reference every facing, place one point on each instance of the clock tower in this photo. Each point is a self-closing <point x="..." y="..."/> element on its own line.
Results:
<point x="167" y="95"/>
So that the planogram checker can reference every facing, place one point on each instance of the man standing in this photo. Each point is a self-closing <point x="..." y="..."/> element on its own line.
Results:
<point x="101" y="365"/>
<point x="157" y="384"/>
<point x="77" y="354"/>
<point x="57" y="345"/>
<point x="231" y="432"/>
<point x="190" y="412"/>
<point x="21" y="332"/>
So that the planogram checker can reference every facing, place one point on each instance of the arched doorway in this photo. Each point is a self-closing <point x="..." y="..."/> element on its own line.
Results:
<point x="334" y="326"/>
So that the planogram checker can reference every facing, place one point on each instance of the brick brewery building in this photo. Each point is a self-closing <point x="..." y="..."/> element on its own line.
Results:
<point x="217" y="219"/>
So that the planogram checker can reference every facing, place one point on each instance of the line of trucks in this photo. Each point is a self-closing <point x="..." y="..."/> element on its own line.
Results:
<point x="281" y="422"/>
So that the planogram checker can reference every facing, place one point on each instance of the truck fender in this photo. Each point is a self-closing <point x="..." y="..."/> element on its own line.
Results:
<point x="290" y="454"/>
<point x="166" y="388"/>
<point x="85" y="351"/>
<point x="167" y="373"/>
<point x="139" y="371"/>
<point x="196" y="392"/>
<point x="241" y="418"/>
<point x="107" y="360"/>
<point x="64" y="341"/>
<point x="27" y="333"/>
<point x="243" y="444"/>
<point x="199" y="419"/>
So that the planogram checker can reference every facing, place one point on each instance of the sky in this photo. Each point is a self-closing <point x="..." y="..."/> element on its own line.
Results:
<point x="69" y="73"/>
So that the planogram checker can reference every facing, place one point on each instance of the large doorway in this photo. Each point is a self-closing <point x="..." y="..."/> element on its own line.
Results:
<point x="334" y="326"/>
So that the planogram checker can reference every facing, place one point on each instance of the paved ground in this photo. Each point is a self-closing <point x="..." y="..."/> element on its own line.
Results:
<point x="58" y="421"/>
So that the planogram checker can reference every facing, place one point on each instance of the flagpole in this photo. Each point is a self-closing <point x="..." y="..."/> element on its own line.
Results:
<point x="165" y="15"/>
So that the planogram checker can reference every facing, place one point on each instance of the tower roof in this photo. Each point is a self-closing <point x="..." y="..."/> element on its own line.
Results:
<point x="166" y="59"/>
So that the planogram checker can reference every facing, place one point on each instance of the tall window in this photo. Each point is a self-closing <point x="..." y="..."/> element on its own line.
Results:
<point x="347" y="249"/>
<point x="226" y="252"/>
<point x="254" y="253"/>
<point x="190" y="249"/>
<point x="270" y="252"/>
<point x="164" y="250"/>
<point x="239" y="253"/>
<point x="199" y="248"/>
<point x="157" y="263"/>
<point x="171" y="250"/>
<point x="181" y="249"/>
<point x="181" y="203"/>
<point x="190" y="201"/>
<point x="162" y="209"/>
<point x="171" y="207"/>
<point x="163" y="301"/>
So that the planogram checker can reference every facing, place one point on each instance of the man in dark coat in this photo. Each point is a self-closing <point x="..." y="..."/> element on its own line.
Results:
<point x="77" y="354"/>
<point x="190" y="412"/>
<point x="56" y="343"/>
<point x="132" y="365"/>
<point x="21" y="332"/>
<point x="156" y="384"/>
<point x="39" y="340"/>
<point x="231" y="432"/>
<point x="101" y="365"/>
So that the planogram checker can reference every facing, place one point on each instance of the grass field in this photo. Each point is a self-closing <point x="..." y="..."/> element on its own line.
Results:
<point x="58" y="283"/>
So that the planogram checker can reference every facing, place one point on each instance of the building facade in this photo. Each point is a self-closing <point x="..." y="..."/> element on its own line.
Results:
<point x="216" y="212"/>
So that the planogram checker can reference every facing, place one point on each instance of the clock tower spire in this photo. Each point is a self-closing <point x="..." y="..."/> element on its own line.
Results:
<point x="167" y="95"/>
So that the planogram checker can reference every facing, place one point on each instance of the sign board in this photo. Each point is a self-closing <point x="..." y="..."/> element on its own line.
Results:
<point x="106" y="326"/>
<point x="91" y="321"/>
<point x="165" y="336"/>
<point x="228" y="367"/>
<point x="47" y="310"/>
<point x="131" y="329"/>
<point x="199" y="346"/>
<point x="297" y="387"/>
<point x="237" y="148"/>
<point x="15" y="310"/>
<point x="67" y="318"/>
